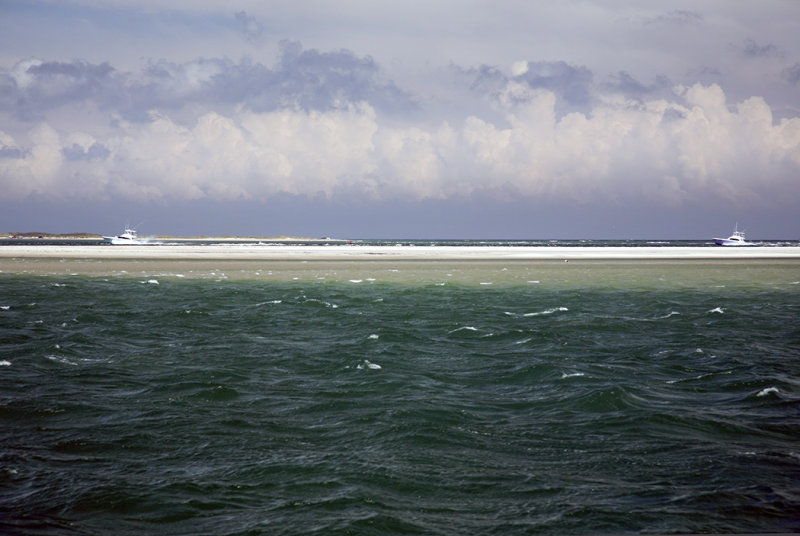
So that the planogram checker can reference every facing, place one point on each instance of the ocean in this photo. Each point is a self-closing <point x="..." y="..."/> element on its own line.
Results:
<point x="432" y="398"/>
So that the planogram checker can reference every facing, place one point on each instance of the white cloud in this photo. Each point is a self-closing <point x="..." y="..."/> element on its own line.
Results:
<point x="35" y="170"/>
<point x="664" y="152"/>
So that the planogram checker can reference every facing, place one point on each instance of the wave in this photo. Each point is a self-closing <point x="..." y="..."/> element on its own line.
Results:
<point x="539" y="313"/>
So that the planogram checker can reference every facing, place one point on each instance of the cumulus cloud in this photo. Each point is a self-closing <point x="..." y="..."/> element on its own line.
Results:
<point x="333" y="125"/>
<point x="667" y="152"/>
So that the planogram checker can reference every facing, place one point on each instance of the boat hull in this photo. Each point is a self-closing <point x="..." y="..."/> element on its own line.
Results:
<point x="117" y="241"/>
<point x="728" y="242"/>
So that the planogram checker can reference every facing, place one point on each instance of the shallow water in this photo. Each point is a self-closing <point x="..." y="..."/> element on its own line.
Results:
<point x="401" y="398"/>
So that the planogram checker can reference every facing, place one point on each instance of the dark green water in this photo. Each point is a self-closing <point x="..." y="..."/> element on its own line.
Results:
<point x="624" y="399"/>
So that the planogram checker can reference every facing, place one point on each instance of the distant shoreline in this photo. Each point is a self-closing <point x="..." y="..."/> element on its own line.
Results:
<point x="96" y="237"/>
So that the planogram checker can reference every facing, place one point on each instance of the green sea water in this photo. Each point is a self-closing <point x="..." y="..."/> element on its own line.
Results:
<point x="400" y="398"/>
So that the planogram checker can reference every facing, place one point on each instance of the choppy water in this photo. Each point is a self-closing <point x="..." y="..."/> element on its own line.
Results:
<point x="622" y="399"/>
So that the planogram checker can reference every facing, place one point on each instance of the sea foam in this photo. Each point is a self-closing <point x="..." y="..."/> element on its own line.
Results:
<point x="547" y="311"/>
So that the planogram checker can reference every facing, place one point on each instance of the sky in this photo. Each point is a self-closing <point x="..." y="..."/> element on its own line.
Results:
<point x="518" y="119"/>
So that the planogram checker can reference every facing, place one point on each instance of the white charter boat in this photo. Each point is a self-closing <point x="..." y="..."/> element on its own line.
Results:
<point x="128" y="237"/>
<point x="736" y="239"/>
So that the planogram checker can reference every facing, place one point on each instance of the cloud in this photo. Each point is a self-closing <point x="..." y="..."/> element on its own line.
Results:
<point x="76" y="152"/>
<point x="252" y="30"/>
<point x="751" y="49"/>
<point x="792" y="74"/>
<point x="303" y="78"/>
<point x="35" y="86"/>
<point x="678" y="17"/>
<point x="571" y="84"/>
<point x="693" y="147"/>
<point x="627" y="85"/>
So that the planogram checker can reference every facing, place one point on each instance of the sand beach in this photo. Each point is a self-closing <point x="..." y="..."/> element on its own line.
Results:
<point x="368" y="263"/>
<point x="355" y="252"/>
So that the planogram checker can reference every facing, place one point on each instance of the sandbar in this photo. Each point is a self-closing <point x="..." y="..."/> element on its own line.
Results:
<point x="352" y="252"/>
<point x="484" y="266"/>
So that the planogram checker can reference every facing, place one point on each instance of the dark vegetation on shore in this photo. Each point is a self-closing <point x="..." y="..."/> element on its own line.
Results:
<point x="94" y="236"/>
<point x="52" y="235"/>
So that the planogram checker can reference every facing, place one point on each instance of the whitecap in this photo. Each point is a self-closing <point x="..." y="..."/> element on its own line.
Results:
<point x="487" y="283"/>
<point x="356" y="280"/>
<point x="151" y="281"/>
<point x="60" y="359"/>
<point x="374" y="336"/>
<point x="370" y="279"/>
<point x="547" y="311"/>
<point x="534" y="282"/>
<point x="767" y="391"/>
<point x="369" y="365"/>
<point x="719" y="310"/>
<point x="5" y="307"/>
<point x="523" y="341"/>
<point x="467" y="328"/>
<point x="571" y="374"/>
<point x="5" y="363"/>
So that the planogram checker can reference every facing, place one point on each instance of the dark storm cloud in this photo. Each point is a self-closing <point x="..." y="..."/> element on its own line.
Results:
<point x="792" y="74"/>
<point x="626" y="84"/>
<point x="40" y="86"/>
<point x="319" y="80"/>
<point x="302" y="78"/>
<point x="252" y="30"/>
<point x="751" y="49"/>
<point x="572" y="85"/>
